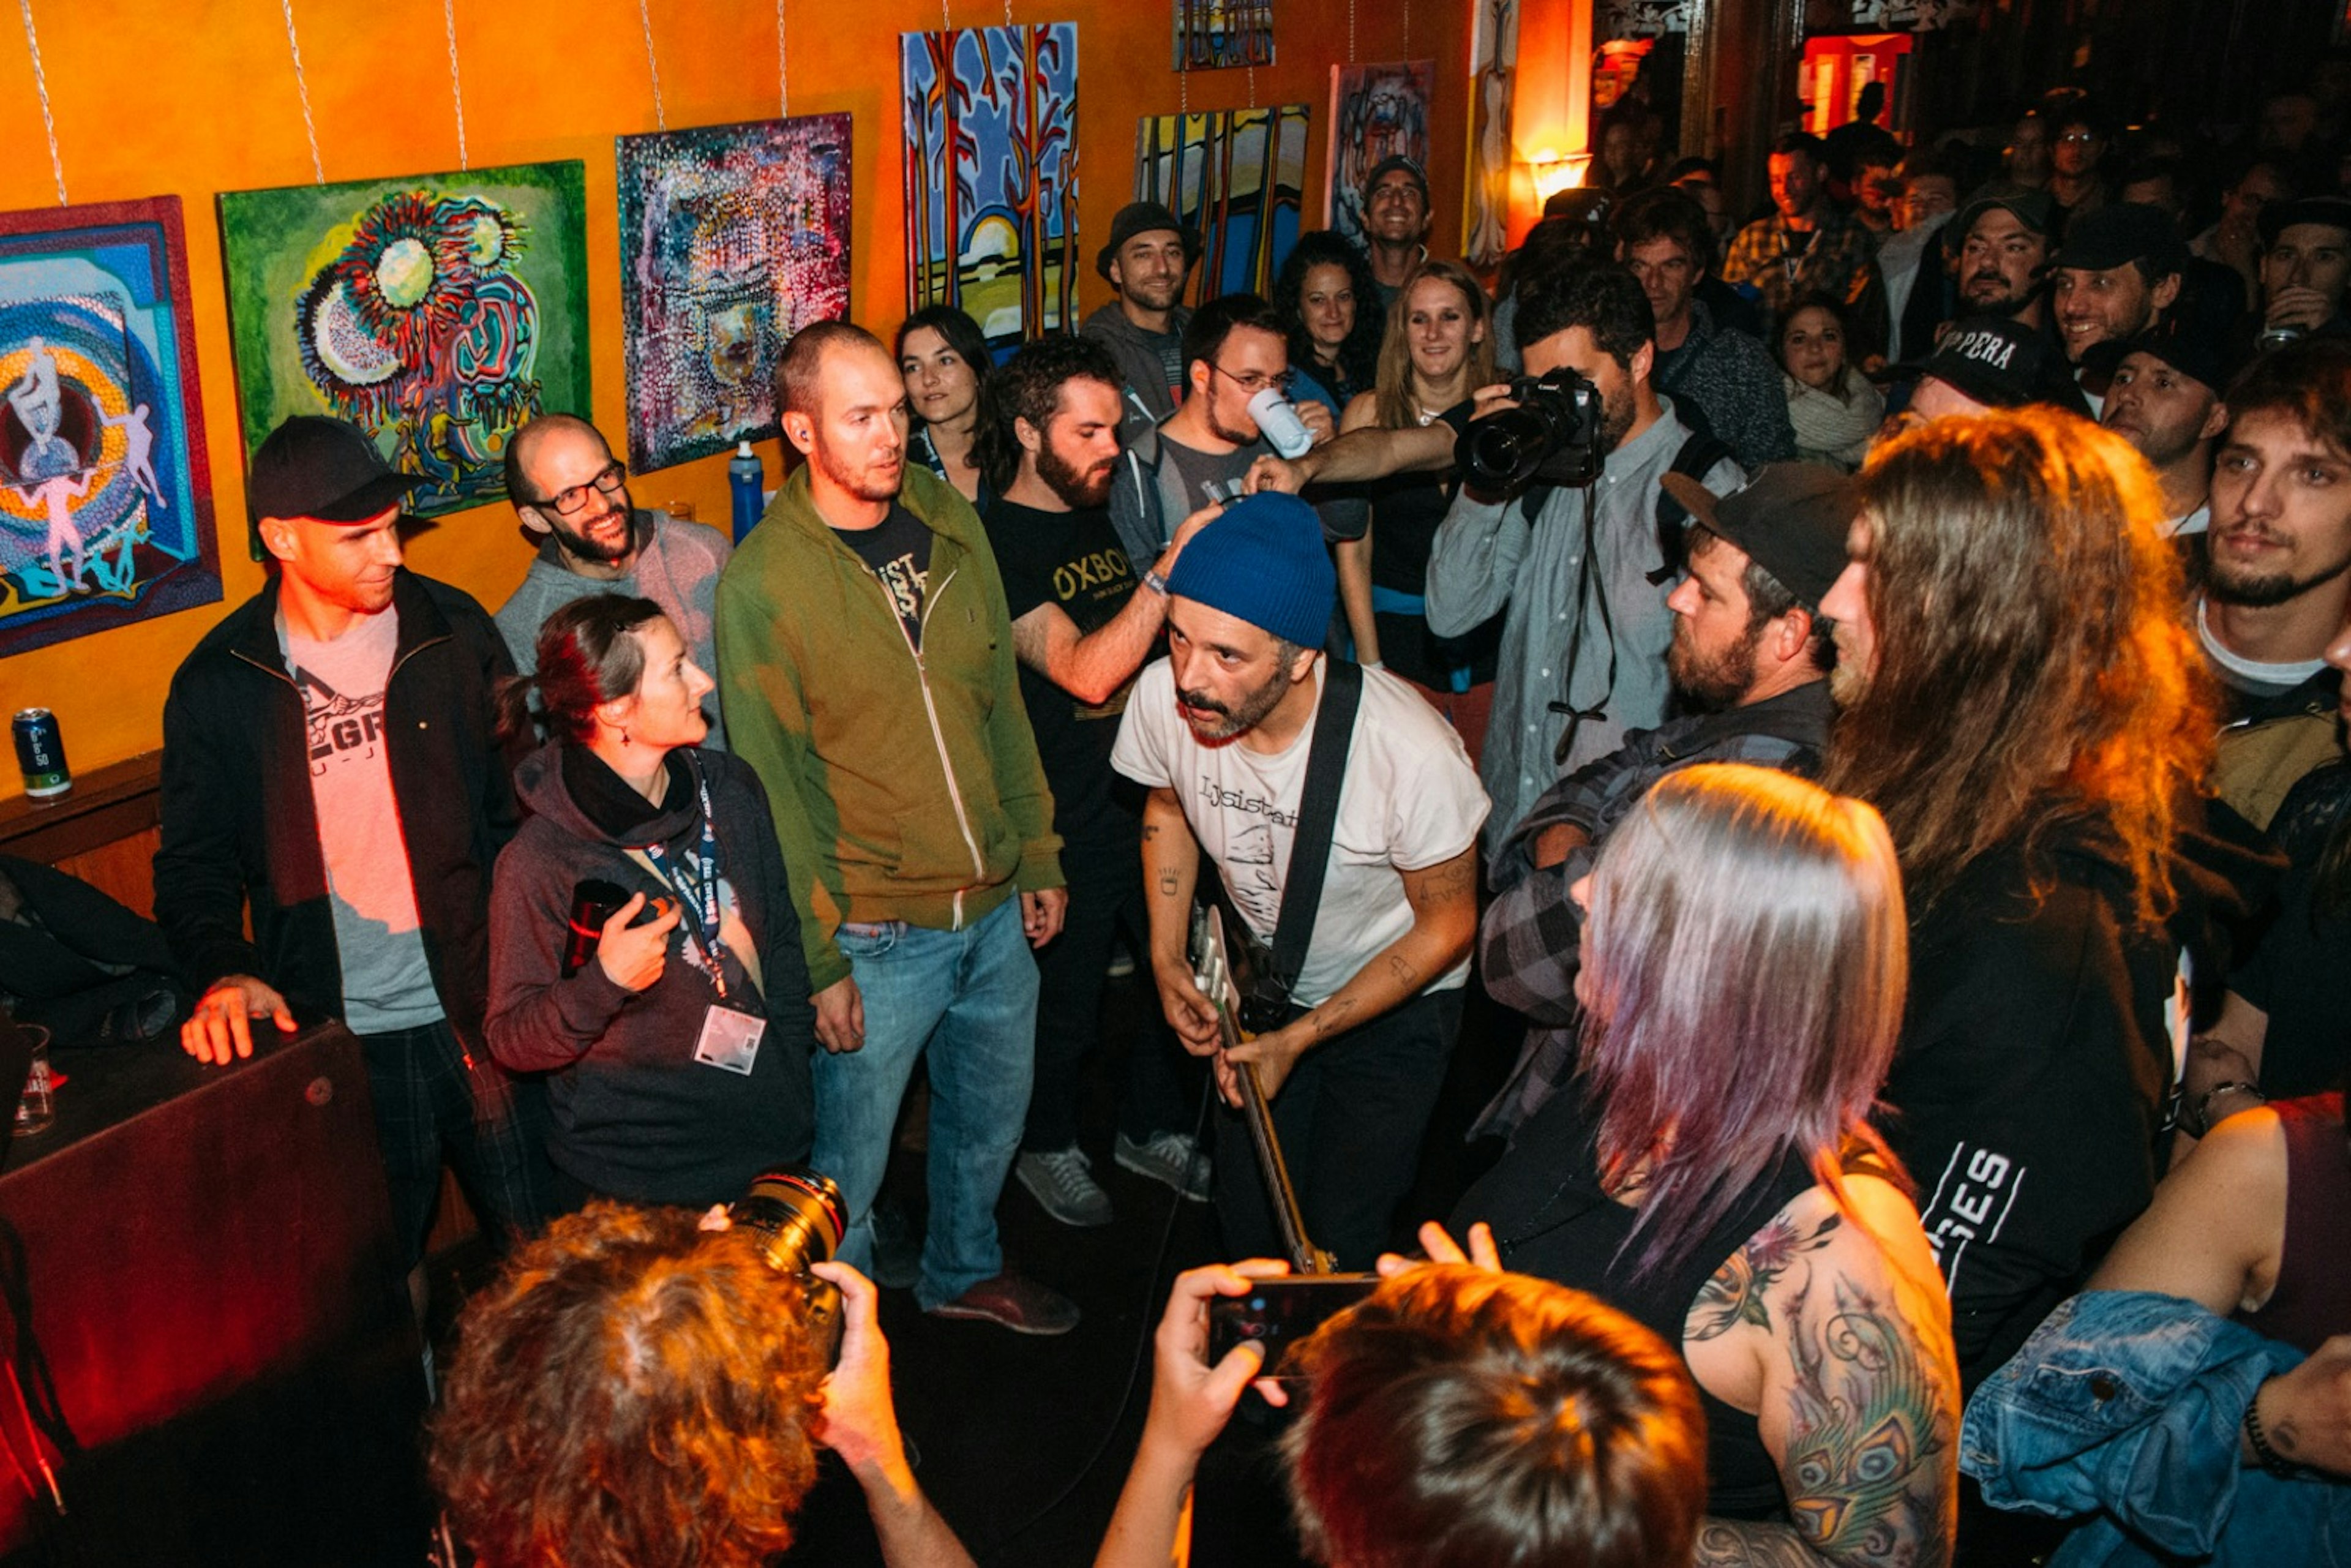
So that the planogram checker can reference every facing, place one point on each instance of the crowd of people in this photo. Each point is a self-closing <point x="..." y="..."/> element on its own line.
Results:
<point x="1897" y="782"/>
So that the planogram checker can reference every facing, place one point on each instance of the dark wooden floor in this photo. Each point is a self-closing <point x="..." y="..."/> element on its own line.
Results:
<point x="1024" y="1443"/>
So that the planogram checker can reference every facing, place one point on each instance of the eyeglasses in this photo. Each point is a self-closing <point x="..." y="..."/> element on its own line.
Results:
<point x="1254" y="383"/>
<point x="608" y="480"/>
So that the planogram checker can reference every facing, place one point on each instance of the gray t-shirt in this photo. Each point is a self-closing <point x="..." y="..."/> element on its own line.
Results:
<point x="1201" y="477"/>
<point x="676" y="566"/>
<point x="387" y="982"/>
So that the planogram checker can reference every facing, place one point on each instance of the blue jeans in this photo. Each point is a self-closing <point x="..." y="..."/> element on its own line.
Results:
<point x="970" y="996"/>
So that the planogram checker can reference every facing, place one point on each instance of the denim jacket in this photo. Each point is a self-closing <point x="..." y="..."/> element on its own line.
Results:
<point x="2124" y="1405"/>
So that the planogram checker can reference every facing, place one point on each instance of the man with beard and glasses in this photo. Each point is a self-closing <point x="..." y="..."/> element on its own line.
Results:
<point x="1750" y="663"/>
<point x="1149" y="255"/>
<point x="1082" y="624"/>
<point x="1220" y="732"/>
<point x="1583" y="639"/>
<point x="866" y="664"/>
<point x="1235" y="348"/>
<point x="566" y="484"/>
<point x="2279" y="582"/>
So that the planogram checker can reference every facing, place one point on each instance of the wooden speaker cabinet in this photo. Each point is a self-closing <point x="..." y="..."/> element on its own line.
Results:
<point x="206" y="1320"/>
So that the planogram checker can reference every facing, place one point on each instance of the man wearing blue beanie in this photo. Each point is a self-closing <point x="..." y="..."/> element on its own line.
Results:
<point x="1221" y="732"/>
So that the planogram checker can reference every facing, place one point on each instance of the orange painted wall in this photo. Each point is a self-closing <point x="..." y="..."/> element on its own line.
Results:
<point x="193" y="97"/>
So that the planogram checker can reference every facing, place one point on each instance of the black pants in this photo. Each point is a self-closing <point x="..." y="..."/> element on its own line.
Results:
<point x="1105" y="898"/>
<point x="1350" y="1119"/>
<point x="436" y="1099"/>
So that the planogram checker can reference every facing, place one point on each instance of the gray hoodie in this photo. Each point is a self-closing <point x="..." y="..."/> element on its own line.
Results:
<point x="636" y="1116"/>
<point x="1139" y="364"/>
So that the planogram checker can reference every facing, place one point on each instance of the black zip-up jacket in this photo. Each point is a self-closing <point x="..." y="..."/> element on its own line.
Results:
<point x="239" y="824"/>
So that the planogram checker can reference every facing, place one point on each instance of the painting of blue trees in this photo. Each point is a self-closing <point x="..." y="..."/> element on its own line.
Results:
<point x="991" y="123"/>
<point x="1236" y="177"/>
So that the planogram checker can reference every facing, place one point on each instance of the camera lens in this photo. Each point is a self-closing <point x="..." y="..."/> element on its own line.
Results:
<point x="1500" y="452"/>
<point x="799" y="1213"/>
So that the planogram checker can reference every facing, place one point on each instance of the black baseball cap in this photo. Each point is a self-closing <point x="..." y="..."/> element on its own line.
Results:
<point x="323" y="469"/>
<point x="2001" y="363"/>
<point x="2123" y="231"/>
<point x="1143" y="218"/>
<point x="2193" y="354"/>
<point x="2033" y="209"/>
<point x="1391" y="165"/>
<point x="1791" y="519"/>
<point x="2277" y="217"/>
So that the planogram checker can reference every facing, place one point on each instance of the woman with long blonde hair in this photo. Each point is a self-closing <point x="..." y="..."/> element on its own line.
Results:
<point x="1438" y="349"/>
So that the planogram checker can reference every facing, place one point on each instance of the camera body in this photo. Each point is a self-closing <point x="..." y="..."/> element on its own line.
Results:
<point x="800" y="1216"/>
<point x="1552" y="438"/>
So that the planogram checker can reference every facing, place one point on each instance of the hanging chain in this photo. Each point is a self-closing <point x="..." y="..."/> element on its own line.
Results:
<point x="783" y="73"/>
<point x="457" y="85"/>
<point x="1350" y="32"/>
<point x="652" y="67"/>
<point x="302" y="86"/>
<point x="41" y="84"/>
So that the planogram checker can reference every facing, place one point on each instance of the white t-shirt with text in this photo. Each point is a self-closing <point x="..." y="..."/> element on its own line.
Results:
<point x="1410" y="800"/>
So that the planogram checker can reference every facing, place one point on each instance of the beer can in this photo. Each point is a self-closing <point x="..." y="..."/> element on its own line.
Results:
<point x="41" y="753"/>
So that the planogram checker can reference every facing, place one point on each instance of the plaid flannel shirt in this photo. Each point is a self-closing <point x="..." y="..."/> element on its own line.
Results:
<point x="1527" y="942"/>
<point x="1841" y="262"/>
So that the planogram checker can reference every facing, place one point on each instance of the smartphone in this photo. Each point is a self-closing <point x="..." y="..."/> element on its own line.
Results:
<point x="1278" y="1313"/>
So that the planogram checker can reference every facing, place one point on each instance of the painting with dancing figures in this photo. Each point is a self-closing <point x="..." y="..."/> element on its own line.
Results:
<point x="105" y="505"/>
<point x="733" y="237"/>
<point x="437" y="312"/>
<point x="1213" y="34"/>
<point x="991" y="124"/>
<point x="1237" y="178"/>
<point x="1377" y="112"/>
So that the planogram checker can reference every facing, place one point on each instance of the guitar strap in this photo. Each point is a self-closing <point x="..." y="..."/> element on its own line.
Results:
<point x="1318" y="818"/>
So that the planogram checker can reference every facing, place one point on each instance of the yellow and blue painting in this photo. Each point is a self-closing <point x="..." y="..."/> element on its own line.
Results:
<point x="1236" y="177"/>
<point x="437" y="312"/>
<point x="105" y="495"/>
<point x="991" y="124"/>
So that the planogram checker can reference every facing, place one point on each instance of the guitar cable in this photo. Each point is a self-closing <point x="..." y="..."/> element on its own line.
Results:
<point x="1153" y="1305"/>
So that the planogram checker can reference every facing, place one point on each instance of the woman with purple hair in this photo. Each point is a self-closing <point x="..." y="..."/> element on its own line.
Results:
<point x="1713" y="1172"/>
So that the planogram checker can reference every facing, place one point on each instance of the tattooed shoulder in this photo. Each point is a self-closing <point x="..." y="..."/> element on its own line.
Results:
<point x="1736" y="1293"/>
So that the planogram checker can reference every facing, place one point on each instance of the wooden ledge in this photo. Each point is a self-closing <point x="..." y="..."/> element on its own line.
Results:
<point x="117" y="801"/>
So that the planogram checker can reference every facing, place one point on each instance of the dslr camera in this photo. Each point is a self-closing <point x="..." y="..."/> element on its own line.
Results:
<point x="1552" y="437"/>
<point x="800" y="1216"/>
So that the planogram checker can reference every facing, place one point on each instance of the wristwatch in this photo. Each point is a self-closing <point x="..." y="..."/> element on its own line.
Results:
<point x="1156" y="581"/>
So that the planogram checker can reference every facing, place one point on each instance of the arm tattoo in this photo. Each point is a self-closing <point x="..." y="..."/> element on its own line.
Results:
<point x="1150" y="832"/>
<point x="1723" y="1544"/>
<point x="1168" y="884"/>
<point x="1868" y="1462"/>
<point x="1407" y="974"/>
<point x="1735" y="1294"/>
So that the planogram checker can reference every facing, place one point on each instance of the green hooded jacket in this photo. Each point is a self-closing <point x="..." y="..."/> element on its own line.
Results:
<point x="904" y="786"/>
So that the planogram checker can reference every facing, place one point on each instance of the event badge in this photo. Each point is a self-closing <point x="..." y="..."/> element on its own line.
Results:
<point x="729" y="1040"/>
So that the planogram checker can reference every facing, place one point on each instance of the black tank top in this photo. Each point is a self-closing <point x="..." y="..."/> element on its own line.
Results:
<point x="1552" y="1219"/>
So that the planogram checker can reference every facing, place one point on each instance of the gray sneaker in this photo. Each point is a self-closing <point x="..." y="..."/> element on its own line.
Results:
<point x="1171" y="1159"/>
<point x="1062" y="1183"/>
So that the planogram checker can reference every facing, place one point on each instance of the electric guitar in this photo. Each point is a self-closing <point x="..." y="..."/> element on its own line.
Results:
<point x="1222" y="959"/>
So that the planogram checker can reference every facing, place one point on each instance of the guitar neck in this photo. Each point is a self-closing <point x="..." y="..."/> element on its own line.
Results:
<point x="1280" y="1193"/>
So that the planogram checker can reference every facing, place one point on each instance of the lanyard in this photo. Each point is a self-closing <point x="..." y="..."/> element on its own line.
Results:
<point x="697" y="890"/>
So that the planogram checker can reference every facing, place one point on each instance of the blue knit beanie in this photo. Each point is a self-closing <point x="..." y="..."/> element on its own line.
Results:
<point x="1263" y="562"/>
